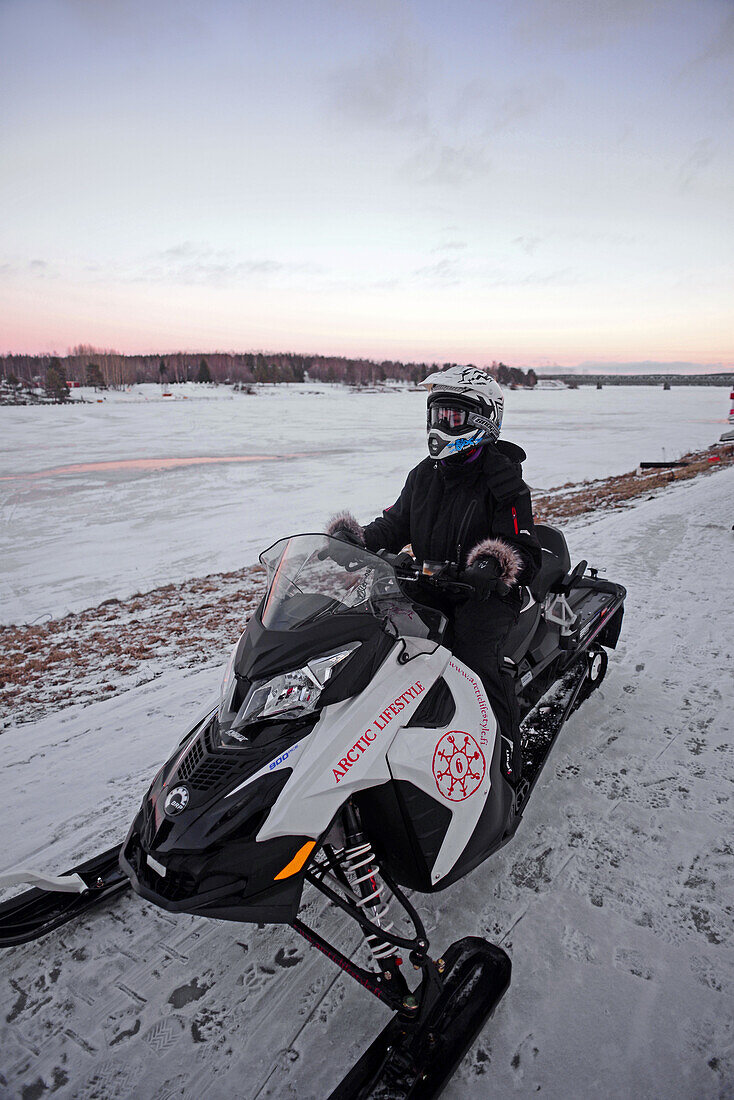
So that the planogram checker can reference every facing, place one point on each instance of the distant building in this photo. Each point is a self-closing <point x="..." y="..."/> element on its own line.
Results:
<point x="550" y="384"/>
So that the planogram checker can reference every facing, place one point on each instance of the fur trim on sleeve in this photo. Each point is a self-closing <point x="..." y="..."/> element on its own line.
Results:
<point x="345" y="521"/>
<point x="509" y="560"/>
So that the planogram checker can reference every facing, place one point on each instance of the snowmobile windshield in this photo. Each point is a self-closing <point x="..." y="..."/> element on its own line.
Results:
<point x="313" y="577"/>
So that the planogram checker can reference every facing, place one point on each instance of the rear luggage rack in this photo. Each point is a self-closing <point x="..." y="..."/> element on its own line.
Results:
<point x="598" y="607"/>
<point x="559" y="611"/>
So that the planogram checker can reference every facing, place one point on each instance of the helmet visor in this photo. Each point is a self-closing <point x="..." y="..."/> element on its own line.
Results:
<point x="448" y="417"/>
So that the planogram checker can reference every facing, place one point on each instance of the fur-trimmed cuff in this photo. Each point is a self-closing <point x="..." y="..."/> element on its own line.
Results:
<point x="509" y="560"/>
<point x="345" y="521"/>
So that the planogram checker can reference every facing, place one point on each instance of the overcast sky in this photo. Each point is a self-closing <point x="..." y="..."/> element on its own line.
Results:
<point x="537" y="181"/>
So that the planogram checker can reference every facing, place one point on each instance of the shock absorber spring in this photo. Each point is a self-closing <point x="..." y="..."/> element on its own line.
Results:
<point x="359" y="861"/>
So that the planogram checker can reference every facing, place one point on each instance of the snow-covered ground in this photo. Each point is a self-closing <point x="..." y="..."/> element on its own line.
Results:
<point x="615" y="898"/>
<point x="102" y="500"/>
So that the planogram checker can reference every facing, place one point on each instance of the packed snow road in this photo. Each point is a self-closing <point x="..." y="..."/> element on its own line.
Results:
<point x="614" y="899"/>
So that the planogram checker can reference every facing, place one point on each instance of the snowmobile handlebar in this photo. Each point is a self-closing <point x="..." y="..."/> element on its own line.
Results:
<point x="444" y="576"/>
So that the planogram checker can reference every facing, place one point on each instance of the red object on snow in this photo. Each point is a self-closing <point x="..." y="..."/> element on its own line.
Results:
<point x="714" y="458"/>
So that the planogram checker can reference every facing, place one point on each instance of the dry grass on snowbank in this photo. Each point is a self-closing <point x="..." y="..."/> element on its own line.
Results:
<point x="124" y="643"/>
<point x="613" y="492"/>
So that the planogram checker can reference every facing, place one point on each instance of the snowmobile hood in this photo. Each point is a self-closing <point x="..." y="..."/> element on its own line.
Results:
<point x="191" y="850"/>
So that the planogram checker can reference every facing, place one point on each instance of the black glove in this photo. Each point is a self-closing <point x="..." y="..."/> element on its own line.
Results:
<point x="341" y="548"/>
<point x="484" y="575"/>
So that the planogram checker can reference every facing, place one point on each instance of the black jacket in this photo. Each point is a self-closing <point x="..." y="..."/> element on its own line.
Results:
<point x="446" y="509"/>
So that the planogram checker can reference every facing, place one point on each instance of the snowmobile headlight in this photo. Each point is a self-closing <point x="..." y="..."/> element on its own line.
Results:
<point x="290" y="694"/>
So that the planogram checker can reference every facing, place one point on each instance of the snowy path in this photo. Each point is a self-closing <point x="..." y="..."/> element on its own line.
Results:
<point x="615" y="899"/>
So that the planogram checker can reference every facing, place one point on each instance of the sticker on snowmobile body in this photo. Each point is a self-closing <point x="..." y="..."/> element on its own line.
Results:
<point x="452" y="765"/>
<point x="283" y="757"/>
<point x="480" y="698"/>
<point x="271" y="766"/>
<point x="176" y="801"/>
<point x="458" y="766"/>
<point x="363" y="743"/>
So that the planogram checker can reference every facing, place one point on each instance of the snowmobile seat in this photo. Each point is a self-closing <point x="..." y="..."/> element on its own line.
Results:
<point x="556" y="560"/>
<point x="517" y="641"/>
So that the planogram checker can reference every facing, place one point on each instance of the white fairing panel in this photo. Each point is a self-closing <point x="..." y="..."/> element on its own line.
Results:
<point x="347" y="749"/>
<point x="452" y="764"/>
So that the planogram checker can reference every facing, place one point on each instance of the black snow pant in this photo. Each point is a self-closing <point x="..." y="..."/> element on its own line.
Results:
<point x="480" y="629"/>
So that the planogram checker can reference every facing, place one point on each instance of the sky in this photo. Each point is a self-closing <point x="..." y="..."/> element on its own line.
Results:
<point x="541" y="182"/>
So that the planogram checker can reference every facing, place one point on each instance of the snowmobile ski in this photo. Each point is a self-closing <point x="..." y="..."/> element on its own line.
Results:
<point x="32" y="914"/>
<point x="413" y="1059"/>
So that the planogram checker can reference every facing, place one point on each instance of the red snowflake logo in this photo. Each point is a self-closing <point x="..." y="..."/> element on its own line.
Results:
<point x="458" y="765"/>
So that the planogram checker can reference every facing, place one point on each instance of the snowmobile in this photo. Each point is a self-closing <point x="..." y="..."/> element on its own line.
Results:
<point x="350" y="751"/>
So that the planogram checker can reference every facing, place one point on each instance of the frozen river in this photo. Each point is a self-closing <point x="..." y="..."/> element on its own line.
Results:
<point x="101" y="500"/>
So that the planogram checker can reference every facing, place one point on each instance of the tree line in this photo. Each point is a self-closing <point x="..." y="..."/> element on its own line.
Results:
<point x="102" y="368"/>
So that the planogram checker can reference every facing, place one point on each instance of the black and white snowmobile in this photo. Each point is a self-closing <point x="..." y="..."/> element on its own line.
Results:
<point x="351" y="751"/>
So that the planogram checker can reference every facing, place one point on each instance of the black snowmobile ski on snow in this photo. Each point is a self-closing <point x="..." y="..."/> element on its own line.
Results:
<point x="56" y="901"/>
<point x="350" y="750"/>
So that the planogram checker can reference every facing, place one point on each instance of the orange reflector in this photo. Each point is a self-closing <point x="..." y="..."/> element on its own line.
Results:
<point x="297" y="862"/>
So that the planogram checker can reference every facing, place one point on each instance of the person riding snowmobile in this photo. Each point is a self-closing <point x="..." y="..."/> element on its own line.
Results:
<point x="467" y="503"/>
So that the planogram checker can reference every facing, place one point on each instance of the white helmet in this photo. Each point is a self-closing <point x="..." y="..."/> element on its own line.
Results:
<point x="465" y="407"/>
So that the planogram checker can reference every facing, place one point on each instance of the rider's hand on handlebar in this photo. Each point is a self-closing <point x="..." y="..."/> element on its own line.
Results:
<point x="484" y="576"/>
<point x="341" y="547"/>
